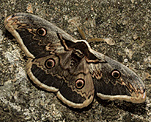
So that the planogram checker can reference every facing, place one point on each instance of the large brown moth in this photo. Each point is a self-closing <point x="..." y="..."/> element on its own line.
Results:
<point x="59" y="63"/>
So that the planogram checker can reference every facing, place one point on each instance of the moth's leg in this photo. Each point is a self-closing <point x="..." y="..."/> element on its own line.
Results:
<point x="95" y="40"/>
<point x="109" y="41"/>
<point x="82" y="34"/>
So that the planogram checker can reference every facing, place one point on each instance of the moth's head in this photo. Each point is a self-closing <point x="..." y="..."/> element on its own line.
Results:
<point x="122" y="83"/>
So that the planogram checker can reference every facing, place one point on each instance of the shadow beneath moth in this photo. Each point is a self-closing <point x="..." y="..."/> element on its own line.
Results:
<point x="59" y="63"/>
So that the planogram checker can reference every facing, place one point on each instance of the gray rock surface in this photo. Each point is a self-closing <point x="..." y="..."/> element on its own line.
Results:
<point x="127" y="23"/>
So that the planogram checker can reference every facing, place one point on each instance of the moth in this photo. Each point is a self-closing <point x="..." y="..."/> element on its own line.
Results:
<point x="59" y="63"/>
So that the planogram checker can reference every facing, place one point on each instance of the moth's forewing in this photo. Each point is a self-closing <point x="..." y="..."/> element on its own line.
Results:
<point x="115" y="81"/>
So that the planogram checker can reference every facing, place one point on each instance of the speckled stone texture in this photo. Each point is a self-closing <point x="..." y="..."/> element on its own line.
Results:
<point x="127" y="24"/>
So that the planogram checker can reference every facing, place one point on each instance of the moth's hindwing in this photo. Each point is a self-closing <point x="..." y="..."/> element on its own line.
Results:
<point x="56" y="73"/>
